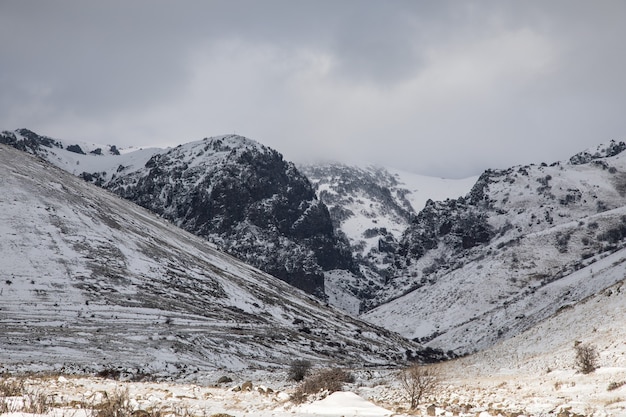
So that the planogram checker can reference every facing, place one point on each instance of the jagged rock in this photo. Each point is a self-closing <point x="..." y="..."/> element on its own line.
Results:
<point x="75" y="149"/>
<point x="612" y="149"/>
<point x="453" y="223"/>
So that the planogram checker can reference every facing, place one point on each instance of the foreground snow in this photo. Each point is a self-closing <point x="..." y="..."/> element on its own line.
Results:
<point x="467" y="390"/>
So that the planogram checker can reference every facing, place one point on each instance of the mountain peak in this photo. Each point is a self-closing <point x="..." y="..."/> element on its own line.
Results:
<point x="225" y="144"/>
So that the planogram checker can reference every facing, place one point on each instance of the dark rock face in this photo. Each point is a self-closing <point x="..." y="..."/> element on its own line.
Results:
<point x="343" y="186"/>
<point x="248" y="201"/>
<point x="369" y="207"/>
<point x="458" y="224"/>
<point x="78" y="149"/>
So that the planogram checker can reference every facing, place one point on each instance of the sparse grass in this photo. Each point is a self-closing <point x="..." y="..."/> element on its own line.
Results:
<point x="11" y="387"/>
<point x="615" y="385"/>
<point x="37" y="402"/>
<point x="614" y="401"/>
<point x="15" y="397"/>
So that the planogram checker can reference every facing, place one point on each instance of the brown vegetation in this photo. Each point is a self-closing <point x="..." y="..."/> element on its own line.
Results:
<point x="418" y="381"/>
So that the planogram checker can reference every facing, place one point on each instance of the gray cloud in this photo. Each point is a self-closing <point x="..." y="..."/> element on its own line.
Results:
<point x="444" y="88"/>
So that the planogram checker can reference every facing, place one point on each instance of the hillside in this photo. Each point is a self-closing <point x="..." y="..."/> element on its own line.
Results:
<point x="524" y="243"/>
<point x="93" y="281"/>
<point x="533" y="374"/>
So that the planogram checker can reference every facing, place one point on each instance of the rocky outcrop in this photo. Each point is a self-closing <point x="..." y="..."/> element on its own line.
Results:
<point x="613" y="148"/>
<point x="457" y="224"/>
<point x="247" y="200"/>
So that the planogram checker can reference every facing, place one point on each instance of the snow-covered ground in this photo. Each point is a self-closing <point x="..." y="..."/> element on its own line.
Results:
<point x="533" y="374"/>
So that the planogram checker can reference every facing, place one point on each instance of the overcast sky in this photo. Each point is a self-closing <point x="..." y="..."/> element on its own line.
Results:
<point x="445" y="88"/>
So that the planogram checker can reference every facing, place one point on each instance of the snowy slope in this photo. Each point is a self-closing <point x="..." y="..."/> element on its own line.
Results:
<point x="92" y="281"/>
<point x="551" y="234"/>
<point x="535" y="372"/>
<point x="462" y="273"/>
<point x="422" y="188"/>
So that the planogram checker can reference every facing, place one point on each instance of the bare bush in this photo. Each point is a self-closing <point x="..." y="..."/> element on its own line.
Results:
<point x="615" y="385"/>
<point x="418" y="381"/>
<point x="586" y="357"/>
<point x="299" y="369"/>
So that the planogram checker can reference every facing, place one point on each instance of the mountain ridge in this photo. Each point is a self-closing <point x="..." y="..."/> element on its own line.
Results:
<point x="542" y="224"/>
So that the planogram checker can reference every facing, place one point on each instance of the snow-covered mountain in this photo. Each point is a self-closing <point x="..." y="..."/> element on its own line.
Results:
<point x="459" y="273"/>
<point x="246" y="199"/>
<point x="524" y="243"/>
<point x="232" y="191"/>
<point x="90" y="280"/>
<point x="372" y="207"/>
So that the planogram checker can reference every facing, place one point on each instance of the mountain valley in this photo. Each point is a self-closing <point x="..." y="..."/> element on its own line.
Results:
<point x="486" y="259"/>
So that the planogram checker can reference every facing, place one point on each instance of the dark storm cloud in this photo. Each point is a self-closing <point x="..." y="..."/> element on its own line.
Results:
<point x="443" y="87"/>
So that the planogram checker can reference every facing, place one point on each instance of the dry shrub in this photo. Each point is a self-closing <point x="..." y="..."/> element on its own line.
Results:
<point x="329" y="380"/>
<point x="115" y="404"/>
<point x="37" y="402"/>
<point x="11" y="388"/>
<point x="32" y="401"/>
<point x="299" y="369"/>
<point x="110" y="373"/>
<point x="586" y="358"/>
<point x="615" y="385"/>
